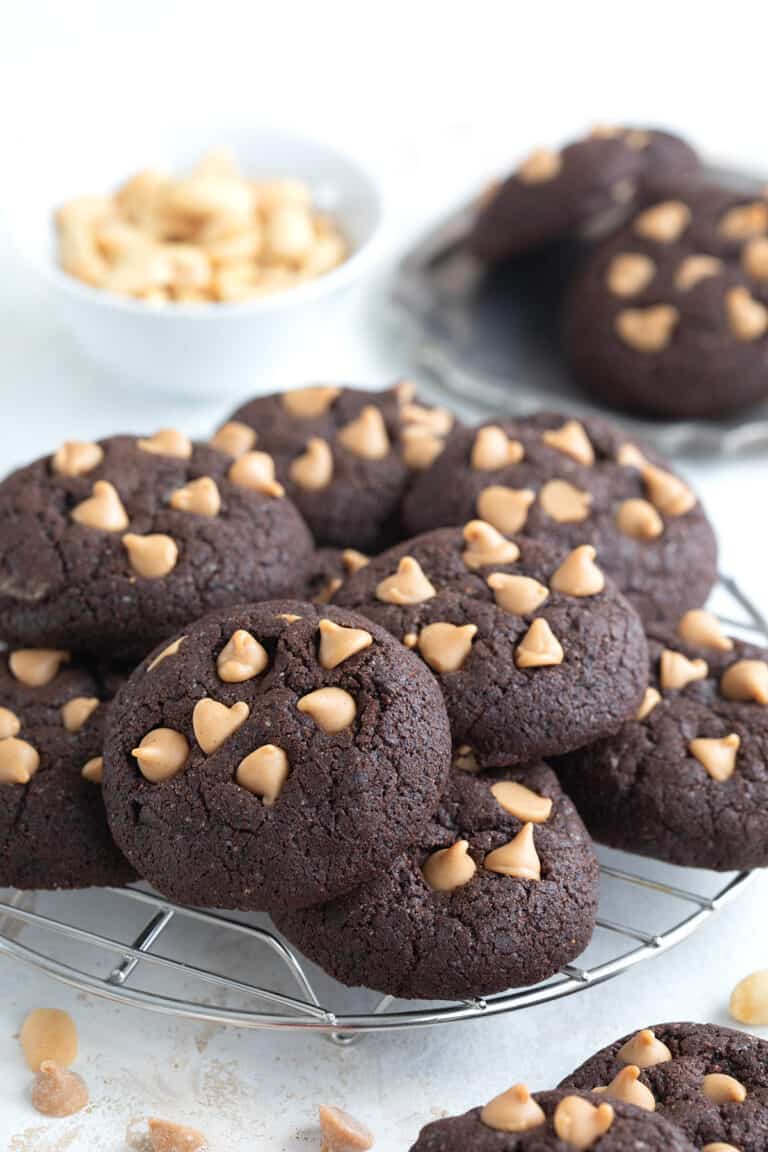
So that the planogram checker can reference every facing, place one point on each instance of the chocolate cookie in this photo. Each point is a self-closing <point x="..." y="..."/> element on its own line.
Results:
<point x="499" y="890"/>
<point x="328" y="569"/>
<point x="517" y="1121"/>
<point x="687" y="780"/>
<point x="343" y="454"/>
<point x="272" y="756"/>
<point x="109" y="547"/>
<point x="571" y="483"/>
<point x="670" y="317"/>
<point x="532" y="654"/>
<point x="711" y="1082"/>
<point x="53" y="828"/>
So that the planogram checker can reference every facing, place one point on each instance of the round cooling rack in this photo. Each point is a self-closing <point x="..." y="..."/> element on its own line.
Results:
<point x="134" y="947"/>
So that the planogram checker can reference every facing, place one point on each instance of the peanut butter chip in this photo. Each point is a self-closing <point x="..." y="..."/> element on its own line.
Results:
<point x="513" y="1111"/>
<point x="754" y="259"/>
<point x="93" y="770"/>
<point x="167" y="442"/>
<point x="103" y="509"/>
<point x="18" y="761"/>
<point x="718" y="1146"/>
<point x="518" y="594"/>
<point x="342" y="1132"/>
<point x="717" y="757"/>
<point x="539" y="648"/>
<point x="564" y="503"/>
<point x="578" y="575"/>
<point x="408" y="585"/>
<point x="649" y="702"/>
<point x="151" y="557"/>
<point x="747" y="317"/>
<point x="313" y="470"/>
<point x="214" y="723"/>
<point x="744" y="221"/>
<point x="48" y="1034"/>
<point x="76" y="712"/>
<point x="572" y="440"/>
<point x="77" y="457"/>
<point x="464" y="760"/>
<point x="353" y="560"/>
<point x="438" y="421"/>
<point x="664" y="222"/>
<point x="199" y="496"/>
<point x="289" y="617"/>
<point x="241" y="658"/>
<point x="644" y="1050"/>
<point x="309" y="403"/>
<point x="411" y="639"/>
<point x="667" y="492"/>
<point x="264" y="772"/>
<point x="629" y="273"/>
<point x="420" y="448"/>
<point x="10" y="725"/>
<point x="723" y="1089"/>
<point x="332" y="709"/>
<point x="630" y="456"/>
<point x="161" y="754"/>
<point x="505" y="508"/>
<point x="36" y="667"/>
<point x="676" y="671"/>
<point x="521" y="802"/>
<point x="234" y="438"/>
<point x="167" y="1137"/>
<point x="749" y="999"/>
<point x="405" y="392"/>
<point x="626" y="1086"/>
<point x="486" y="546"/>
<point x="493" y="449"/>
<point x="445" y="647"/>
<point x="170" y="650"/>
<point x="58" y="1092"/>
<point x="517" y="858"/>
<point x="256" y="471"/>
<point x="580" y="1123"/>
<point x="540" y="167"/>
<point x="337" y="643"/>
<point x="703" y="629"/>
<point x="449" y="868"/>
<point x="693" y="269"/>
<point x="366" y="436"/>
<point x="325" y="595"/>
<point x="746" y="680"/>
<point x="647" y="329"/>
<point x="639" y="519"/>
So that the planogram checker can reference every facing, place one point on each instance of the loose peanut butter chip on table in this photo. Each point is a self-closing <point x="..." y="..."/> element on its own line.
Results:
<point x="342" y="1132"/>
<point x="313" y="470"/>
<point x="332" y="709"/>
<point x="77" y="457"/>
<point x="644" y="1050"/>
<point x="408" y="585"/>
<point x="626" y="1086"/>
<point x="693" y="269"/>
<point x="58" y="1092"/>
<point x="540" y="167"/>
<point x="579" y="575"/>
<point x="518" y="594"/>
<point x="521" y="802"/>
<point x="445" y="647"/>
<point x="722" y="1089"/>
<point x="309" y="403"/>
<point x="214" y="723"/>
<point x="539" y="648"/>
<point x="744" y="221"/>
<point x="337" y="643"/>
<point x="366" y="436"/>
<point x="517" y="858"/>
<point x="234" y="438"/>
<point x="76" y="712"/>
<point x="93" y="770"/>
<point x="10" y="725"/>
<point x="151" y="557"/>
<point x="667" y="492"/>
<point x="676" y="671"/>
<point x="647" y="329"/>
<point x="754" y="259"/>
<point x="629" y="273"/>
<point x="513" y="1111"/>
<point x="746" y="680"/>
<point x="165" y="1136"/>
<point x="241" y="658"/>
<point x="161" y="754"/>
<point x="663" y="222"/>
<point x="565" y="503"/>
<point x="703" y="629"/>
<point x="449" y="868"/>
<point x="264" y="772"/>
<point x="572" y="440"/>
<point x="747" y="317"/>
<point x="167" y="442"/>
<point x="103" y="509"/>
<point x="579" y="1123"/>
<point x="48" y="1034"/>
<point x="36" y="667"/>
<point x="18" y="761"/>
<point x="505" y="509"/>
<point x="749" y="999"/>
<point x="200" y="497"/>
<point x="486" y="546"/>
<point x="256" y="471"/>
<point x="717" y="757"/>
<point x="492" y="449"/>
<point x="639" y="519"/>
<point x="170" y="650"/>
<point x="649" y="702"/>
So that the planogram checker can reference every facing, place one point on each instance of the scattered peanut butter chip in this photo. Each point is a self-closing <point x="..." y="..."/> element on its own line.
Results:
<point x="639" y="519"/>
<point x="449" y="868"/>
<point x="464" y="759"/>
<point x="649" y="702"/>
<point x="338" y="643"/>
<point x="647" y="329"/>
<point x="36" y="667"/>
<point x="539" y="648"/>
<point x="103" y="509"/>
<point x="745" y="221"/>
<point x="579" y="1123"/>
<point x="161" y="754"/>
<point x="630" y="456"/>
<point x="10" y="725"/>
<point x="167" y="442"/>
<point x="572" y="440"/>
<point x="214" y="723"/>
<point x="518" y="594"/>
<point x="366" y="435"/>
<point x="256" y="471"/>
<point x="409" y="585"/>
<point x="342" y="1132"/>
<point x="152" y="557"/>
<point x="48" y="1034"/>
<point x="754" y="259"/>
<point x="664" y="222"/>
<point x="420" y="447"/>
<point x="517" y="858"/>
<point x="723" y="1089"/>
<point x="717" y="757"/>
<point x="241" y="658"/>
<point x="626" y="1086"/>
<point x="445" y="647"/>
<point x="747" y="317"/>
<point x="167" y="1137"/>
<point x="18" y="761"/>
<point x="170" y="650"/>
<point x="513" y="1111"/>
<point x="749" y="999"/>
<point x="309" y="403"/>
<point x="540" y="166"/>
<point x="644" y="1050"/>
<point x="234" y="438"/>
<point x="522" y="802"/>
<point x="58" y="1092"/>
<point x="93" y="769"/>
<point x="313" y="470"/>
<point x="438" y="421"/>
<point x="746" y="680"/>
<point x="629" y="273"/>
<point x="492" y="449"/>
<point x="579" y="575"/>
<point x="485" y="546"/>
<point x="676" y="671"/>
<point x="201" y="497"/>
<point x="565" y="503"/>
<point x="77" y="457"/>
<point x="332" y="709"/>
<point x="411" y="639"/>
<point x="694" y="269"/>
<point x="505" y="509"/>
<point x="353" y="560"/>
<point x="703" y="629"/>
<point x="264" y="772"/>
<point x="77" y="711"/>
<point x="667" y="492"/>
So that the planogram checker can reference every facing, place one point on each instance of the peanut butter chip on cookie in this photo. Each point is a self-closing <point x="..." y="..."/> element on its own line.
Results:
<point x="663" y="222"/>
<point x="518" y="594"/>
<point x="76" y="712"/>
<point x="366" y="436"/>
<point x="353" y="560"/>
<point x="449" y="868"/>
<point x="332" y="709"/>
<point x="313" y="470"/>
<point x="342" y="1132"/>
<point x="666" y="492"/>
<point x="464" y="759"/>
<point x="199" y="496"/>
<point x="581" y="1124"/>
<point x="167" y="1137"/>
<point x="746" y="680"/>
<point x="493" y="449"/>
<point x="151" y="557"/>
<point x="578" y="575"/>
<point x="722" y="1089"/>
<point x="326" y="594"/>
<point x="36" y="667"/>
<point x="58" y="1092"/>
<point x="264" y="772"/>
<point x="693" y="269"/>
<point x="411" y="639"/>
<point x="649" y="702"/>
<point x="744" y="221"/>
<point x="505" y="508"/>
<point x="717" y="757"/>
<point x="18" y="761"/>
<point x="571" y="440"/>
<point x="256" y="471"/>
<point x="754" y="259"/>
<point x="718" y="1146"/>
<point x="161" y="754"/>
<point x="167" y="442"/>
<point x="647" y="329"/>
<point x="10" y="725"/>
<point x="486" y="546"/>
<point x="564" y="503"/>
<point x="747" y="317"/>
<point x="420" y="448"/>
<point x="170" y="650"/>
<point x="445" y="647"/>
<point x="103" y="509"/>
<point x="214" y="723"/>
<point x="513" y="1111"/>
<point x="626" y="1086"/>
<point x="639" y="519"/>
<point x="630" y="456"/>
<point x="337" y="643"/>
<point x="438" y="421"/>
<point x="77" y="457"/>
<point x="521" y="802"/>
<point x="234" y="438"/>
<point x="629" y="273"/>
<point x="644" y="1050"/>
<point x="676" y="671"/>
<point x="408" y="585"/>
<point x="517" y="858"/>
<point x="703" y="629"/>
<point x="539" y="648"/>
<point x="241" y="658"/>
<point x="309" y="403"/>
<point x="93" y="770"/>
<point x="540" y="166"/>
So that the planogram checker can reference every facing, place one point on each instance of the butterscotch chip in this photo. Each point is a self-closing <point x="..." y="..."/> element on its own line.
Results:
<point x="241" y="658"/>
<point x="717" y="757"/>
<point x="518" y="594"/>
<point x="48" y="1034"/>
<point x="10" y="725"/>
<point x="167" y="1137"/>
<point x="676" y="671"/>
<point x="539" y="648"/>
<point x="19" y="761"/>
<point x="214" y="723"/>
<point x="438" y="421"/>
<point x="93" y="769"/>
<point x="234" y="438"/>
<point x="161" y="754"/>
<point x="353" y="560"/>
<point x="749" y="1000"/>
<point x="256" y="470"/>
<point x="723" y="1089"/>
<point x="629" y="273"/>
<point x="332" y="709"/>
<point x="313" y="470"/>
<point x="409" y="585"/>
<point x="264" y="772"/>
<point x="167" y="442"/>
<point x="103" y="509"/>
<point x="77" y="457"/>
<point x="76" y="712"/>
<point x="36" y="667"/>
<point x="366" y="436"/>
<point x="693" y="269"/>
<point x="309" y="403"/>
<point x="639" y="519"/>
<point x="747" y="317"/>
<point x="565" y="503"/>
<point x="649" y="702"/>
<point x="337" y="643"/>
<point x="644" y="1050"/>
<point x="581" y="1124"/>
<point x="703" y="629"/>
<point x="521" y="802"/>
<point x="540" y="166"/>
<point x="445" y="647"/>
<point x="486" y="546"/>
<point x="201" y="497"/>
<point x="151" y="557"/>
<point x="754" y="259"/>
<point x="572" y="440"/>
<point x="647" y="329"/>
<point x="663" y="222"/>
<point x="420" y="448"/>
<point x="745" y="221"/>
<point x="626" y="1086"/>
<point x="517" y="858"/>
<point x="513" y="1111"/>
<point x="746" y="680"/>
<point x="342" y="1132"/>
<point x="492" y="449"/>
<point x="169" y="650"/>
<point x="449" y="868"/>
<point x="505" y="509"/>
<point x="58" y="1092"/>
<point x="579" y="575"/>
<point x="667" y="492"/>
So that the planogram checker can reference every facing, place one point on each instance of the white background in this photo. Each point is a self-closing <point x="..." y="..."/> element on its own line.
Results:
<point x="436" y="97"/>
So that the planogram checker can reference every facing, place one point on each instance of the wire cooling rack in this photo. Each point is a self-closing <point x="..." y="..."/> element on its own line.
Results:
<point x="133" y="946"/>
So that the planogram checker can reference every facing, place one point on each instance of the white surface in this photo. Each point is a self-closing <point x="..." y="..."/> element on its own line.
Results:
<point x="438" y="96"/>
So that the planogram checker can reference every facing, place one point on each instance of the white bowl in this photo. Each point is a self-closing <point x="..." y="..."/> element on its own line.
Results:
<point x="201" y="349"/>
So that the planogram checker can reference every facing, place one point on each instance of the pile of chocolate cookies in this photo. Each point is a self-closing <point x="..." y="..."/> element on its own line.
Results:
<point x="667" y="312"/>
<point x="337" y="664"/>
